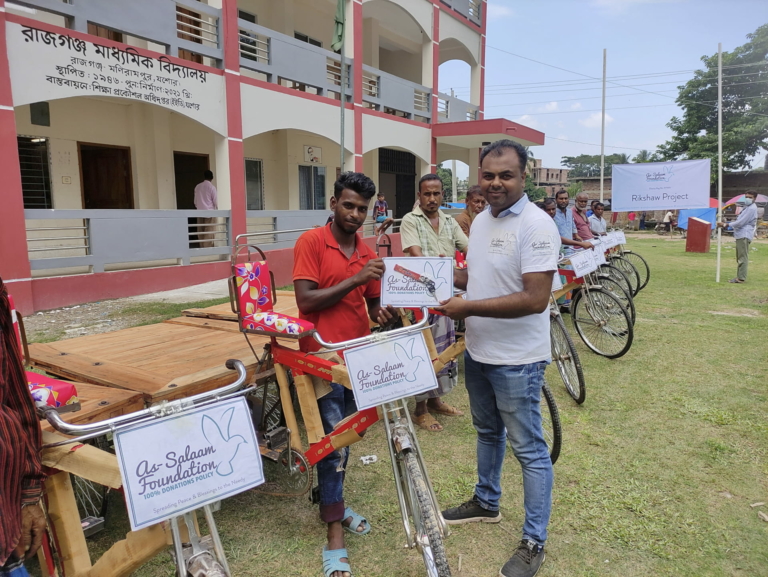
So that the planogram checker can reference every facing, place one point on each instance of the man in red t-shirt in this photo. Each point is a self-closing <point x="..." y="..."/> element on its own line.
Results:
<point x="336" y="278"/>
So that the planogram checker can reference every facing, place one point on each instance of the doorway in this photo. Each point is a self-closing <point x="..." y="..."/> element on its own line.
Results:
<point x="188" y="170"/>
<point x="397" y="179"/>
<point x="105" y="174"/>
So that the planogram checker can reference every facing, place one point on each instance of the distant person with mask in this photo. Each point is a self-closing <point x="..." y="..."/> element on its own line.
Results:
<point x="475" y="205"/>
<point x="744" y="231"/>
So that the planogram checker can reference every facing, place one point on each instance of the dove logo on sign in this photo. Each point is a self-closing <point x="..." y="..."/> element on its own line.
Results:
<point x="226" y="445"/>
<point x="662" y="176"/>
<point x="434" y="273"/>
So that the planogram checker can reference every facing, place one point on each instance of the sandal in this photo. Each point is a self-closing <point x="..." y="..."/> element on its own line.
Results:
<point x="736" y="280"/>
<point x="357" y="520"/>
<point x="445" y="409"/>
<point x="332" y="561"/>
<point x="427" y="422"/>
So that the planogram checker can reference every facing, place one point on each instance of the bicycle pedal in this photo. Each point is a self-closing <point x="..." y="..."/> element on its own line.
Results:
<point x="92" y="525"/>
<point x="314" y="496"/>
<point x="277" y="438"/>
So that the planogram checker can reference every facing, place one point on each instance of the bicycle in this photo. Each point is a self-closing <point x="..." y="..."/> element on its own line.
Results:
<point x="194" y="554"/>
<point x="600" y="318"/>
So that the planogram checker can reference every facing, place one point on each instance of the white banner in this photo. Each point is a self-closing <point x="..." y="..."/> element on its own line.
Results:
<point x="390" y="370"/>
<point x="401" y="288"/>
<point x="47" y="65"/>
<point x="181" y="462"/>
<point x="599" y="256"/>
<point x="660" y="185"/>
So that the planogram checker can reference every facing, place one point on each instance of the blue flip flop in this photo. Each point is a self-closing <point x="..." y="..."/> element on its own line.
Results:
<point x="357" y="520"/>
<point x="332" y="561"/>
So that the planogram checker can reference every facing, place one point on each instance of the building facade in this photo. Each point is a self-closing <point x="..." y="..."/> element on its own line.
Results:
<point x="550" y="179"/>
<point x="112" y="111"/>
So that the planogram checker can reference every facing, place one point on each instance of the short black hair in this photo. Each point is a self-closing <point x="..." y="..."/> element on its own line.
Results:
<point x="547" y="201"/>
<point x="380" y="193"/>
<point x="751" y="193"/>
<point x="593" y="203"/>
<point x="428" y="177"/>
<point x="559" y="192"/>
<point x="473" y="190"/>
<point x="354" y="181"/>
<point x="598" y="204"/>
<point x="208" y="175"/>
<point x="497" y="149"/>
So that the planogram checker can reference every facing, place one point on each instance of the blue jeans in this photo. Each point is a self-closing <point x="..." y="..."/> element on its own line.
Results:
<point x="506" y="402"/>
<point x="334" y="407"/>
<point x="13" y="569"/>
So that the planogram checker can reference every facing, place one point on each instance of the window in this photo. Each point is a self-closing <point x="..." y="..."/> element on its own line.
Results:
<point x="247" y="16"/>
<point x="35" y="172"/>
<point x="40" y="114"/>
<point x="307" y="39"/>
<point x="102" y="32"/>
<point x="254" y="184"/>
<point x="312" y="187"/>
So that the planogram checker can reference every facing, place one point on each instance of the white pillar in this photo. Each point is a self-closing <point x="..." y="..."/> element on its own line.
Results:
<point x="221" y="171"/>
<point x="475" y="84"/>
<point x="474" y="165"/>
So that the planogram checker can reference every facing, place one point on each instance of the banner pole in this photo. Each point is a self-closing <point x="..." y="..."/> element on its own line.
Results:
<point x="602" y="132"/>
<point x="719" y="154"/>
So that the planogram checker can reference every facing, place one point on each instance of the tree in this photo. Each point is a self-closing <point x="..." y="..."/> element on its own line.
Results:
<point x="745" y="108"/>
<point x="643" y="156"/>
<point x="574" y="188"/>
<point x="534" y="192"/>
<point x="589" y="164"/>
<point x="446" y="176"/>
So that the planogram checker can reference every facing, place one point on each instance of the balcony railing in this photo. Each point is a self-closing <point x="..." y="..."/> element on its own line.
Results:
<point x="468" y="8"/>
<point x="451" y="109"/>
<point x="178" y="24"/>
<point x="394" y="95"/>
<point x="285" y="60"/>
<point x="122" y="239"/>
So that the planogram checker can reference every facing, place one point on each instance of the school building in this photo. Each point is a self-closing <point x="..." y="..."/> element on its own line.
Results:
<point x="110" y="112"/>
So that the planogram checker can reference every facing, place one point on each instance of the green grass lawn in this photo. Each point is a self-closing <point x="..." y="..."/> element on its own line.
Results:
<point x="658" y="469"/>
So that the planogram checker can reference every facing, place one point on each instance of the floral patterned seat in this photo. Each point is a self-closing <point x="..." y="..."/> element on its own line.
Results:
<point x="253" y="286"/>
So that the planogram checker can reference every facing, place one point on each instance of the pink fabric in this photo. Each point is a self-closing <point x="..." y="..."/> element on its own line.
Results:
<point x="206" y="196"/>
<point x="51" y="392"/>
<point x="254" y="294"/>
<point x="582" y="225"/>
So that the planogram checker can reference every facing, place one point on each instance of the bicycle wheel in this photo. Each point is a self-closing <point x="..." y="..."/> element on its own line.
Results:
<point x="641" y="265"/>
<point x="620" y="293"/>
<point x="614" y="273"/>
<point x="602" y="322"/>
<point x="550" y="424"/>
<point x="92" y="498"/>
<point x="628" y="269"/>
<point x="428" y="532"/>
<point x="567" y="360"/>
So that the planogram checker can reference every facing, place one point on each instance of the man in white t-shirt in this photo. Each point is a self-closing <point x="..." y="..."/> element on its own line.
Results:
<point x="513" y="251"/>
<point x="597" y="223"/>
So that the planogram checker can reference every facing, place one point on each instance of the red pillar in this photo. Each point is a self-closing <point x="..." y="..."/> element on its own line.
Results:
<point x="357" y="87"/>
<point x="435" y="77"/>
<point x="14" y="259"/>
<point x="231" y="36"/>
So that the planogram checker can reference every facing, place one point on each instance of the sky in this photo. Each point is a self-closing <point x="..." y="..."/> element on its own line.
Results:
<point x="642" y="38"/>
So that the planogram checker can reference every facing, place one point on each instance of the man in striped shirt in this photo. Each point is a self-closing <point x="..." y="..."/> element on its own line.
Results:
<point x="22" y="522"/>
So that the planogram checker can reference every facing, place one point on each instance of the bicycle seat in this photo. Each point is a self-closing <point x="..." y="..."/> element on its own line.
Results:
<point x="254" y="296"/>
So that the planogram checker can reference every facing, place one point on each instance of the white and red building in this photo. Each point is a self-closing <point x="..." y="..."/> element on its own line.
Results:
<point x="111" y="111"/>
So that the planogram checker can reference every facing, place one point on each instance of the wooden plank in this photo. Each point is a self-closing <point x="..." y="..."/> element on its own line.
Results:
<point x="100" y="372"/>
<point x="63" y="514"/>
<point x="310" y="412"/>
<point x="206" y="323"/>
<point x="565" y="290"/>
<point x="125" y="556"/>
<point x="98" y="403"/>
<point x="85" y="461"/>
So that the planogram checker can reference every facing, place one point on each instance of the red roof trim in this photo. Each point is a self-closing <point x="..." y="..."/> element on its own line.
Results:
<point x="492" y="126"/>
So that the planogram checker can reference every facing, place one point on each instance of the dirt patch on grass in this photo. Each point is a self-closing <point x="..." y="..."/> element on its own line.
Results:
<point x="737" y="313"/>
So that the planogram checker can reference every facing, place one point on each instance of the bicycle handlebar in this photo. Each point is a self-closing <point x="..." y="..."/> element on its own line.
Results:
<point x="374" y="337"/>
<point x="100" y="427"/>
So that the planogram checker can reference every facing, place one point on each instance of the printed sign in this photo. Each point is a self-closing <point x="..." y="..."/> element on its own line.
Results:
<point x="557" y="282"/>
<point x="181" y="462"/>
<point x="313" y="154"/>
<point x="609" y="241"/>
<point x="599" y="257"/>
<point x="660" y="185"/>
<point x="49" y="65"/>
<point x="583" y="262"/>
<point x="621" y="238"/>
<point x="416" y="281"/>
<point x="386" y="371"/>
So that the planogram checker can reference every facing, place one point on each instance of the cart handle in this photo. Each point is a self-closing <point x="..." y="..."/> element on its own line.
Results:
<point x="375" y="337"/>
<point x="166" y="408"/>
